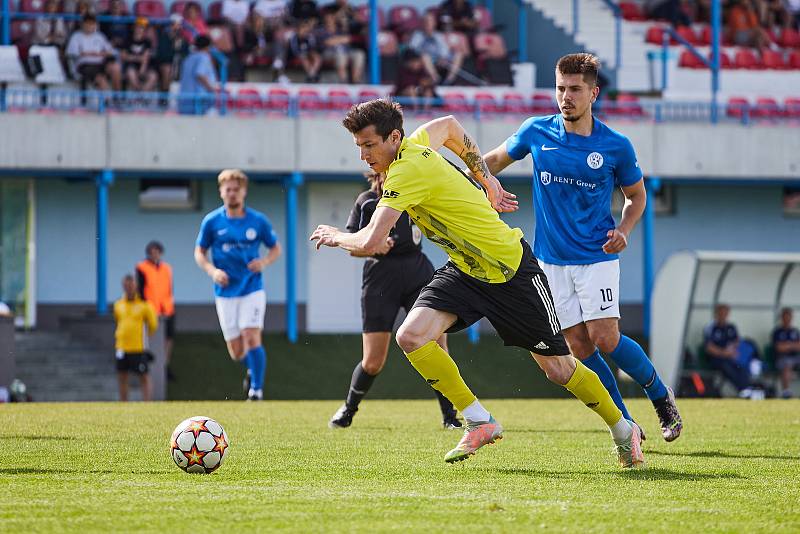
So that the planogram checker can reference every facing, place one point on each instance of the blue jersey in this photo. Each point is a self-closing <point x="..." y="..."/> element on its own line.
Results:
<point x="573" y="179"/>
<point x="234" y="242"/>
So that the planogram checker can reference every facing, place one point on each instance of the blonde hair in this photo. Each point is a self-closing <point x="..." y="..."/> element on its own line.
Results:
<point x="232" y="174"/>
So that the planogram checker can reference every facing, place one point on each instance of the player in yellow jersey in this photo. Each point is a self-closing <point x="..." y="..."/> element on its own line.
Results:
<point x="491" y="273"/>
<point x="135" y="319"/>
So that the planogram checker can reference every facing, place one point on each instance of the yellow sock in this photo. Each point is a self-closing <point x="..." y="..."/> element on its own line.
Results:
<point x="440" y="371"/>
<point x="586" y="385"/>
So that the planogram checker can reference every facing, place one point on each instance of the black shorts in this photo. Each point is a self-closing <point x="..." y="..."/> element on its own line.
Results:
<point x="134" y="362"/>
<point x="169" y="327"/>
<point x="521" y="310"/>
<point x="389" y="284"/>
<point x="89" y="71"/>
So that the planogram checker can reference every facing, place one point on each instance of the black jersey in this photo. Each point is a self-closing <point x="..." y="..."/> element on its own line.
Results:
<point x="407" y="237"/>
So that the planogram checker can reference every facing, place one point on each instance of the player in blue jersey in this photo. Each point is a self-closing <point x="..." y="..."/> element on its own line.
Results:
<point x="577" y="163"/>
<point x="234" y="234"/>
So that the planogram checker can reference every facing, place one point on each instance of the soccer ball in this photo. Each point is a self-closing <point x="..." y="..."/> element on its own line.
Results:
<point x="199" y="445"/>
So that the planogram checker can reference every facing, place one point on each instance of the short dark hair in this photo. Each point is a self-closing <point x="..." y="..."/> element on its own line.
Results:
<point x="202" y="42"/>
<point x="587" y="65"/>
<point x="385" y="115"/>
<point x="154" y="245"/>
<point x="88" y="18"/>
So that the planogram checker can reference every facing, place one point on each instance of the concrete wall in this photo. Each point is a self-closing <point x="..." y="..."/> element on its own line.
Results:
<point x="269" y="144"/>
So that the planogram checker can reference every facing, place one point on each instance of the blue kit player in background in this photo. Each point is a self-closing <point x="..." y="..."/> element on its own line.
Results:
<point x="234" y="234"/>
<point x="577" y="163"/>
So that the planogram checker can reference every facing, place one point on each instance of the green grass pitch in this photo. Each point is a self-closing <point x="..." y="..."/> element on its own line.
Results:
<point x="106" y="467"/>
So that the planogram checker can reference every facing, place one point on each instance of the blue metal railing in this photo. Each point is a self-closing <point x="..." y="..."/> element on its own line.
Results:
<point x="56" y="100"/>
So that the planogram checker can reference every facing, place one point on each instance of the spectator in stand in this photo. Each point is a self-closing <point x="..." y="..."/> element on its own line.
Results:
<point x="80" y="8"/>
<point x="794" y="12"/>
<point x="171" y="49"/>
<point x="304" y="47"/>
<point x="413" y="80"/>
<point x="263" y="41"/>
<point x="744" y="27"/>
<point x="301" y="10"/>
<point x="775" y="13"/>
<point x="198" y="79"/>
<point x="139" y="69"/>
<point x="235" y="13"/>
<point x="118" y="32"/>
<point x="136" y="320"/>
<point x="459" y="16"/>
<point x="154" y="280"/>
<point x="193" y="23"/>
<point x="670" y="10"/>
<point x="50" y="31"/>
<point x="95" y="58"/>
<point x="432" y="46"/>
<point x="786" y="344"/>
<point x="721" y="342"/>
<point x="335" y="47"/>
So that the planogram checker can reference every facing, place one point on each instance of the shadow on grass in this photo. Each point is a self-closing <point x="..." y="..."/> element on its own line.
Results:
<point x="37" y="438"/>
<point x="722" y="454"/>
<point x="48" y="471"/>
<point x="643" y="474"/>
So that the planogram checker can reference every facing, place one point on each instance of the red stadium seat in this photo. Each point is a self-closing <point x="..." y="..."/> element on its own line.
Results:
<point x="655" y="35"/>
<point x="705" y="36"/>
<point x="789" y="38"/>
<point x="773" y="60"/>
<point x="486" y="103"/>
<point x="150" y="9"/>
<point x="456" y="103"/>
<point x="178" y="6"/>
<point x="628" y="105"/>
<point x="688" y="33"/>
<point x="745" y="58"/>
<point x="102" y="6"/>
<point x="484" y="17"/>
<point x="248" y="99"/>
<point x="215" y="11"/>
<point x="632" y="11"/>
<point x="362" y="15"/>
<point x="690" y="61"/>
<point x="309" y="100"/>
<point x="791" y="107"/>
<point x="366" y="95"/>
<point x="515" y="103"/>
<point x="404" y="19"/>
<point x="543" y="104"/>
<point x="794" y="59"/>
<point x="277" y="99"/>
<point x="30" y="6"/>
<point x="339" y="99"/>
<point x="737" y="107"/>
<point x="767" y="108"/>
<point x="21" y="31"/>
<point x="724" y="60"/>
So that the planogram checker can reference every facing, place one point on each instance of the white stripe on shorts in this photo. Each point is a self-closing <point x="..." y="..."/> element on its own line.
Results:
<point x="548" y="304"/>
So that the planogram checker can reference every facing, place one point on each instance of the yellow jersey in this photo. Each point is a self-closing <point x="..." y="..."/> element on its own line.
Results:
<point x="132" y="316"/>
<point x="451" y="211"/>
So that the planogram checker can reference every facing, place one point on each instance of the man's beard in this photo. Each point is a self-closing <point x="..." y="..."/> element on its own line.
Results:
<point x="572" y="118"/>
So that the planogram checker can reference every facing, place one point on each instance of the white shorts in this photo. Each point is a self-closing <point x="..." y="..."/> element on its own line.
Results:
<point x="237" y="313"/>
<point x="584" y="292"/>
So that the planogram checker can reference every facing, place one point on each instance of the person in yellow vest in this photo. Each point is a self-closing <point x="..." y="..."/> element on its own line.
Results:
<point x="136" y="320"/>
<point x="154" y="280"/>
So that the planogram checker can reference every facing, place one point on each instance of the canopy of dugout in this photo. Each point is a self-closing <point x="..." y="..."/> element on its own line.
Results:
<point x="756" y="285"/>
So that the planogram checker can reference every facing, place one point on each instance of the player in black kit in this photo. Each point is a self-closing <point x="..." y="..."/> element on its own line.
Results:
<point x="390" y="281"/>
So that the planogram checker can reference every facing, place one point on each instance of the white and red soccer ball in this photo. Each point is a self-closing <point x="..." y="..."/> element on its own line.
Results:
<point x="199" y="445"/>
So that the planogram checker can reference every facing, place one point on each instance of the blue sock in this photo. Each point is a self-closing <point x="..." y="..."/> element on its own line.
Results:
<point x="630" y="357"/>
<point x="257" y="363"/>
<point x="596" y="363"/>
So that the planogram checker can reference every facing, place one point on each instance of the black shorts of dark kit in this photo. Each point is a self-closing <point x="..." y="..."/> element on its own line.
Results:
<point x="389" y="284"/>
<point x="134" y="362"/>
<point x="89" y="71"/>
<point x="521" y="310"/>
<point x="169" y="327"/>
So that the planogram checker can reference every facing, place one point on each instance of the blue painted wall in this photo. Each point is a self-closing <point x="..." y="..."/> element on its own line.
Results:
<point x="713" y="217"/>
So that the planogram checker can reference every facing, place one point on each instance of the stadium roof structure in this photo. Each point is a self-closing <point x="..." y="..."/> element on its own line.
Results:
<point x="691" y="283"/>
